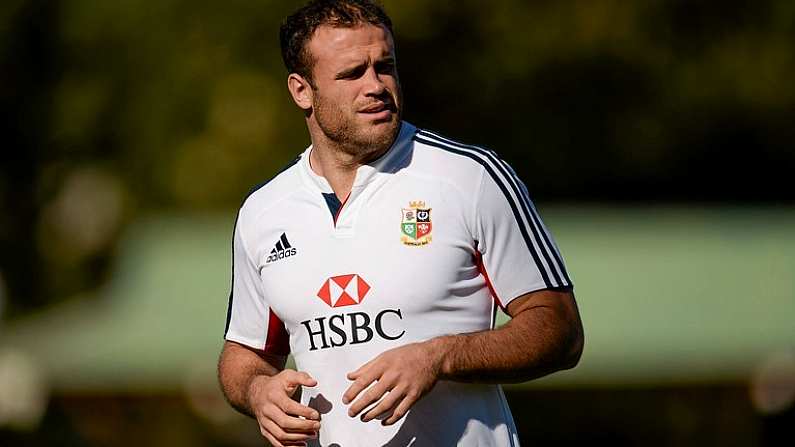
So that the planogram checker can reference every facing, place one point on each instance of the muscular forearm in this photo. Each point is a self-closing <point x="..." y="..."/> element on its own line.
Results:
<point x="544" y="335"/>
<point x="539" y="340"/>
<point x="238" y="368"/>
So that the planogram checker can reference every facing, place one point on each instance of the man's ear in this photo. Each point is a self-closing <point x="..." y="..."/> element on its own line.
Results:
<point x="301" y="90"/>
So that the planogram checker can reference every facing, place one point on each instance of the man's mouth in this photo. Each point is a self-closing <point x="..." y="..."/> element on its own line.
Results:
<point x="378" y="111"/>
<point x="375" y="108"/>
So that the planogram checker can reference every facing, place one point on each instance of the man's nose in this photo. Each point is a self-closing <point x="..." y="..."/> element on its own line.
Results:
<point x="373" y="83"/>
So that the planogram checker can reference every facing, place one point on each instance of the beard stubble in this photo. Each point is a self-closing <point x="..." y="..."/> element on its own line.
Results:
<point x="343" y="132"/>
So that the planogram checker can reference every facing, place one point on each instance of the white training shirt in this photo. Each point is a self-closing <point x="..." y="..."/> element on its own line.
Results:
<point x="434" y="235"/>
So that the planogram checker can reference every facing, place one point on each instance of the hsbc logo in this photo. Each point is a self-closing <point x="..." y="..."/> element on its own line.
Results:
<point x="341" y="329"/>
<point x="343" y="290"/>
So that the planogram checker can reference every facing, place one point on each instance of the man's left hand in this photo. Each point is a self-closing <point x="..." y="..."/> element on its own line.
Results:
<point x="401" y="375"/>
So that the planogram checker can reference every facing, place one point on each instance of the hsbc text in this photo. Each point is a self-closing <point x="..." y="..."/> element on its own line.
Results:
<point x="353" y="328"/>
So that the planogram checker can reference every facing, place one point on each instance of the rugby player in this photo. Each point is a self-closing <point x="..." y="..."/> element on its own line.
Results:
<point x="378" y="259"/>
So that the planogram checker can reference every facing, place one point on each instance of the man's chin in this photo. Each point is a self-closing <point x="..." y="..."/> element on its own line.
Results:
<point x="375" y="138"/>
<point x="382" y="130"/>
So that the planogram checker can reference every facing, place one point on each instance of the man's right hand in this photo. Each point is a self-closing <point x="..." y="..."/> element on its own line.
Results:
<point x="283" y="421"/>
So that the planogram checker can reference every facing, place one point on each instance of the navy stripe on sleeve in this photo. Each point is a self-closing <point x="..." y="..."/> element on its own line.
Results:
<point x="488" y="159"/>
<point x="527" y="206"/>
<point x="548" y="249"/>
<point x="522" y="227"/>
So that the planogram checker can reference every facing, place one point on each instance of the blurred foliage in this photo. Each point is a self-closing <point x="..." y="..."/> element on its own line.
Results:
<point x="112" y="109"/>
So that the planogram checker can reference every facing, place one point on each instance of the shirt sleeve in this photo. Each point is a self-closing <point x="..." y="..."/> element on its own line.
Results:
<point x="516" y="252"/>
<point x="250" y="320"/>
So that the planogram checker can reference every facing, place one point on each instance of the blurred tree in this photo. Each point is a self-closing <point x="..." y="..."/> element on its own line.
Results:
<point x="28" y="69"/>
<point x="181" y="104"/>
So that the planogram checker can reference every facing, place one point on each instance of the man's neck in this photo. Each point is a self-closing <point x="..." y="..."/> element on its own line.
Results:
<point x="338" y="166"/>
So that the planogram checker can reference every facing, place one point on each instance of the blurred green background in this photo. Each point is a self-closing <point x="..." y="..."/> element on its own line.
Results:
<point x="655" y="137"/>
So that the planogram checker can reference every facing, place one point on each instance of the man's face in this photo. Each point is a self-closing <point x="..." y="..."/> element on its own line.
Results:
<point x="357" y="98"/>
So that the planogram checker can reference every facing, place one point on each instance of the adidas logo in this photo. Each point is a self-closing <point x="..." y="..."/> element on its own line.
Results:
<point x="282" y="250"/>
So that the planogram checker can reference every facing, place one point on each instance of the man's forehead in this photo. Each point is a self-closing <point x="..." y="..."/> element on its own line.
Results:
<point x="351" y="43"/>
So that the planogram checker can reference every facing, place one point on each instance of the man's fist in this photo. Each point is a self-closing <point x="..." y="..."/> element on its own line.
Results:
<point x="283" y="421"/>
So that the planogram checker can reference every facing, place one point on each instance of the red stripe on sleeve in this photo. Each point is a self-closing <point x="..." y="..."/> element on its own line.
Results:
<point x="482" y="269"/>
<point x="277" y="341"/>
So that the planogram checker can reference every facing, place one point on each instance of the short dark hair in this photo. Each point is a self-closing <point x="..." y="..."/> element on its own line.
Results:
<point x="297" y="29"/>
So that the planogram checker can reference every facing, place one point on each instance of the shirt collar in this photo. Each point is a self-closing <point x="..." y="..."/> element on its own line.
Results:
<point x="392" y="161"/>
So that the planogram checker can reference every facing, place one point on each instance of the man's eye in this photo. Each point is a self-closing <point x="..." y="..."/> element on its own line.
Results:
<point x="386" y="67"/>
<point x="352" y="74"/>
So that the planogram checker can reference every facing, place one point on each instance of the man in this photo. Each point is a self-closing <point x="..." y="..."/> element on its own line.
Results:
<point x="378" y="259"/>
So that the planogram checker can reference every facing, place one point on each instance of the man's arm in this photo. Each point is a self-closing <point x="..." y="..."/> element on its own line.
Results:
<point x="544" y="335"/>
<point x="256" y="383"/>
<point x="238" y="366"/>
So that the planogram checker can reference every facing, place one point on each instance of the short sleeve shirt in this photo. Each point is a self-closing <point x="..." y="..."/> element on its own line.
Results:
<point x="434" y="236"/>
